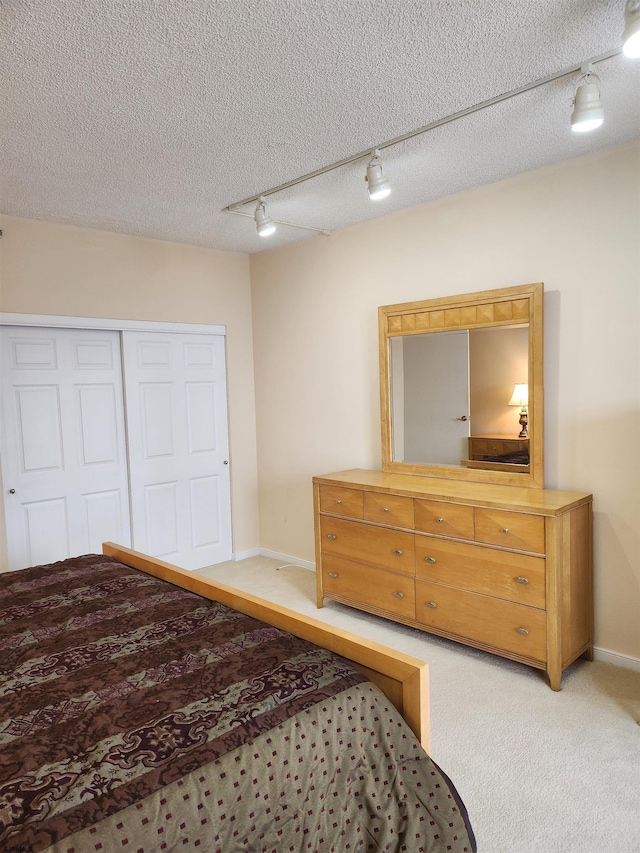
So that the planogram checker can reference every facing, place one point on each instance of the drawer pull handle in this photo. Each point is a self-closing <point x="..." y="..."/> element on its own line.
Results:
<point x="331" y="536"/>
<point x="439" y="520"/>
<point x="333" y="574"/>
<point x="522" y="631"/>
<point x="430" y="559"/>
<point x="399" y="594"/>
<point x="385" y="509"/>
<point x="431" y="603"/>
<point x="505" y="529"/>
<point x="397" y="551"/>
<point x="339" y="502"/>
<point x="522" y="580"/>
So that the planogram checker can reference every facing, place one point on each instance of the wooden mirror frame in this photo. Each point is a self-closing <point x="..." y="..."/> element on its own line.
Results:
<point x="489" y="308"/>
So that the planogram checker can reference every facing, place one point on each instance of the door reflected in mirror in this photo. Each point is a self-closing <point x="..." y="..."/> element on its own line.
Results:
<point x="450" y="396"/>
<point x="430" y="397"/>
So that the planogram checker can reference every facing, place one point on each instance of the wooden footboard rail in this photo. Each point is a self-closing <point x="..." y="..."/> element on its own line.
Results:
<point x="403" y="679"/>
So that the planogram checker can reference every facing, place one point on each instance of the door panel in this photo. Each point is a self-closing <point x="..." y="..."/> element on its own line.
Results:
<point x="98" y="427"/>
<point x="157" y="419"/>
<point x="175" y="387"/>
<point x="201" y="421"/>
<point x="102" y="520"/>
<point x="62" y="441"/>
<point x="29" y="354"/>
<point x="91" y="354"/>
<point x="205" y="511"/>
<point x="161" y="517"/>
<point x="45" y="532"/>
<point x="39" y="428"/>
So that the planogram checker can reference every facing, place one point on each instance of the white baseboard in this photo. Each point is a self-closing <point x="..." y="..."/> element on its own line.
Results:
<point x="286" y="558"/>
<point x="244" y="555"/>
<point x="274" y="555"/>
<point x="616" y="659"/>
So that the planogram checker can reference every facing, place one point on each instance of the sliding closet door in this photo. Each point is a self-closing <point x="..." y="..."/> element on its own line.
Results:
<point x="62" y="439"/>
<point x="176" y="402"/>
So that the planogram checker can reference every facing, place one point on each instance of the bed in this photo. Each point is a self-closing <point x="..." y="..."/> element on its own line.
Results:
<point x="146" y="708"/>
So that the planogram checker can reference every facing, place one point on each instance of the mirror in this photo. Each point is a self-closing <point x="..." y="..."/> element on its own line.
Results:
<point x="453" y="374"/>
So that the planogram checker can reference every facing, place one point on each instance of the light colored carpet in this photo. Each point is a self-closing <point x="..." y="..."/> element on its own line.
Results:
<point x="539" y="772"/>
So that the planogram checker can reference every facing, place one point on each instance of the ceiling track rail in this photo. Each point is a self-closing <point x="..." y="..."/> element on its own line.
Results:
<point x="353" y="158"/>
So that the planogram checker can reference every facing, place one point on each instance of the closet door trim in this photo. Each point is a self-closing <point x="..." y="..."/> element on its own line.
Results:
<point x="54" y="321"/>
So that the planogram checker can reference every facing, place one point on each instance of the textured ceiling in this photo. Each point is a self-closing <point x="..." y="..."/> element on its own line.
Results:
<point x="149" y="116"/>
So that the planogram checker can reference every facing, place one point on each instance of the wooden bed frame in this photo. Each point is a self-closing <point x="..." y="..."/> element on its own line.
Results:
<point x="403" y="679"/>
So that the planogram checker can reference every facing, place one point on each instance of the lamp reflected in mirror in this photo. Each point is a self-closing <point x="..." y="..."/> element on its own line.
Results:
<point x="520" y="397"/>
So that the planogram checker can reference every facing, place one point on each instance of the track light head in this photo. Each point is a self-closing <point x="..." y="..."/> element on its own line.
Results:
<point x="378" y="186"/>
<point x="265" y="226"/>
<point x="587" y="108"/>
<point x="631" y="35"/>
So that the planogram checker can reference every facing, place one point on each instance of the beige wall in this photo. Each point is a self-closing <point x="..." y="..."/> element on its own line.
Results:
<point x="575" y="226"/>
<point x="498" y="358"/>
<point x="59" y="269"/>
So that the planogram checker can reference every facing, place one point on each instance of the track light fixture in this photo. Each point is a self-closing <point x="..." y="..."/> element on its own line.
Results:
<point x="587" y="108"/>
<point x="378" y="186"/>
<point x="631" y="35"/>
<point x="587" y="115"/>
<point x="265" y="226"/>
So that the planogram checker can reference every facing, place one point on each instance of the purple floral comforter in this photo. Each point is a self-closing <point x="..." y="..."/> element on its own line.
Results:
<point x="137" y="716"/>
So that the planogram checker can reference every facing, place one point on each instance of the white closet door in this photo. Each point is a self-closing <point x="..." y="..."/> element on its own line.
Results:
<point x="176" y="401"/>
<point x="62" y="439"/>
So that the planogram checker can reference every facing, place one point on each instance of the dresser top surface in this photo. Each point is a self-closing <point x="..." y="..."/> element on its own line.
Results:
<point x="537" y="501"/>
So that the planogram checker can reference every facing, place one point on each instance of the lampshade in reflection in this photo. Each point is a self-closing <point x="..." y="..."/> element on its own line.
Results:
<point x="520" y="397"/>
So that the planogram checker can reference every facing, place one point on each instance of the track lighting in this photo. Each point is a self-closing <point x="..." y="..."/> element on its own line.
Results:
<point x="377" y="184"/>
<point x="264" y="224"/>
<point x="631" y="35"/>
<point x="587" y="115"/>
<point x="587" y="108"/>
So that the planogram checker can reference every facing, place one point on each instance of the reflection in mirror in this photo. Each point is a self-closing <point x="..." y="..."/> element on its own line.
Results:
<point x="449" y="367"/>
<point x="430" y="397"/>
<point x="450" y="397"/>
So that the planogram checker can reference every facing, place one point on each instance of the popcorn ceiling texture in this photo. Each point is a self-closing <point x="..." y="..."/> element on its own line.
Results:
<point x="149" y="117"/>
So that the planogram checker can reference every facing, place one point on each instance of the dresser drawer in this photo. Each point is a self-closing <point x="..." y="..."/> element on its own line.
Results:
<point x="510" y="529"/>
<point x="481" y="447"/>
<point x="365" y="543"/>
<point x="388" y="509"/>
<point x="444" y="519"/>
<point x="514" y="577"/>
<point x="375" y="587"/>
<point x="341" y="501"/>
<point x="487" y="446"/>
<point x="502" y="625"/>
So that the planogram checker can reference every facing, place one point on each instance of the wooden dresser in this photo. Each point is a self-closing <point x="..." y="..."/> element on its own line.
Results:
<point x="501" y="568"/>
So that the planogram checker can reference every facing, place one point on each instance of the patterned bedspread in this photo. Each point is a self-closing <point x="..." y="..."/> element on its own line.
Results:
<point x="137" y="716"/>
